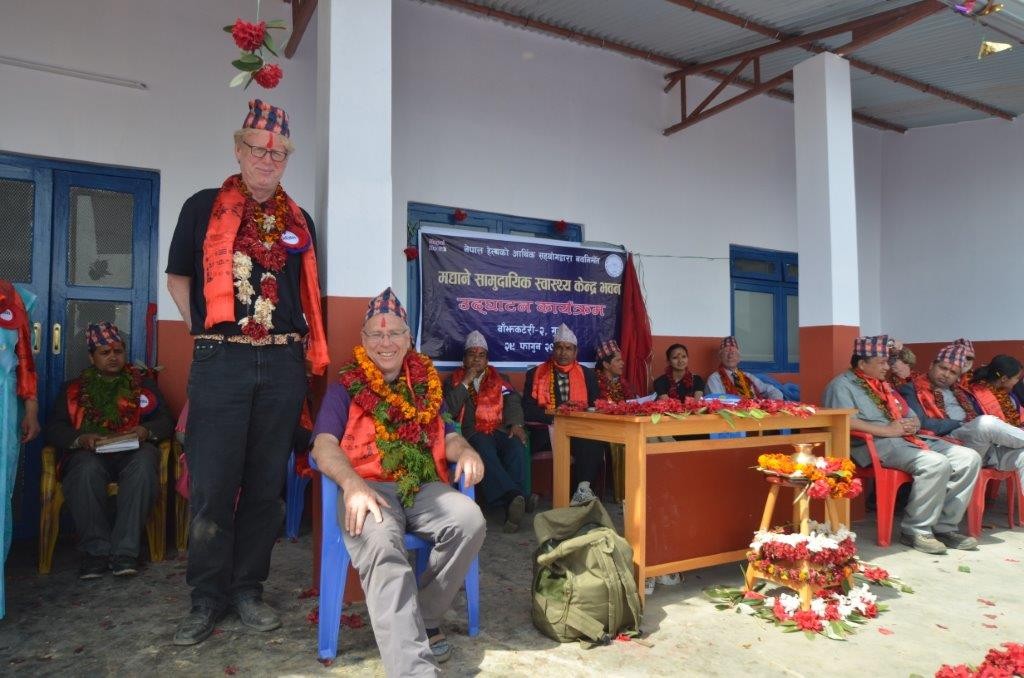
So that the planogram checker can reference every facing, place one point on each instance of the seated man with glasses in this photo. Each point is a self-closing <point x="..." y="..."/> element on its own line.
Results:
<point x="383" y="436"/>
<point x="242" y="270"/>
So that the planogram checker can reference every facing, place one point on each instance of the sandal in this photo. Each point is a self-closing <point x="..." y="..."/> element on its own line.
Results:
<point x="439" y="645"/>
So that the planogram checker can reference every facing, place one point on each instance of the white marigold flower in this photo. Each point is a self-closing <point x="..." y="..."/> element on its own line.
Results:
<point x="818" y="606"/>
<point x="262" y="312"/>
<point x="245" y="291"/>
<point x="241" y="266"/>
<point x="789" y="603"/>
<point x="269" y="222"/>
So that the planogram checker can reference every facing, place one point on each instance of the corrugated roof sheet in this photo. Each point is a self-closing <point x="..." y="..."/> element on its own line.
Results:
<point x="940" y="50"/>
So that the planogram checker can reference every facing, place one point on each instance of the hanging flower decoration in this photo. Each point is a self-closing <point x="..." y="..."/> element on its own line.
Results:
<point x="459" y="216"/>
<point x="411" y="253"/>
<point x="252" y="39"/>
<point x="561" y="225"/>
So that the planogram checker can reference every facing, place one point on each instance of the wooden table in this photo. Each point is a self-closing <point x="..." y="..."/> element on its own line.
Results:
<point x="707" y="500"/>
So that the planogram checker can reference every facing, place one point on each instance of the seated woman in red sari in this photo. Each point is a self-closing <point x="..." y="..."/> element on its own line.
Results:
<point x="678" y="381"/>
<point x="609" y="367"/>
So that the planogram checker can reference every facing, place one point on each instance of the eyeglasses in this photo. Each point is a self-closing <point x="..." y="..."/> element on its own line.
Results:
<point x="374" y="338"/>
<point x="259" y="152"/>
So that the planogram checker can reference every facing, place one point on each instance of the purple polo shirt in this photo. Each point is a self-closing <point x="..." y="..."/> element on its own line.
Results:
<point x="333" y="415"/>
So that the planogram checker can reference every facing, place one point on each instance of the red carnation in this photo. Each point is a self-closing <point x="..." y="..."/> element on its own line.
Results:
<point x="832" y="612"/>
<point x="269" y="76"/>
<point x="248" y="36"/>
<point x="255" y="330"/>
<point x="411" y="253"/>
<point x="779" y="611"/>
<point x="807" y="620"/>
<point x="459" y="215"/>
<point x="870" y="610"/>
<point x="958" y="671"/>
<point x="560" y="226"/>
<point x="268" y="289"/>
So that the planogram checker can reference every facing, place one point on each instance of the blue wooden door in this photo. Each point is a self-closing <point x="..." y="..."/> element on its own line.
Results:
<point x="81" y="238"/>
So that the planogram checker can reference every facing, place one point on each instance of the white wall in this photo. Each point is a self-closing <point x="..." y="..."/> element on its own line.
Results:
<point x="953" y="232"/>
<point x="181" y="126"/>
<point x="500" y="119"/>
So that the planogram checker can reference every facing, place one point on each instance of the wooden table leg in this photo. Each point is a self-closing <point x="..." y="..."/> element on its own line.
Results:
<point x="560" y="466"/>
<point x="635" y="506"/>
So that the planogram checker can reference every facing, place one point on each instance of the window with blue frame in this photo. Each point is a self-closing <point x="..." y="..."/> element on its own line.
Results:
<point x="765" y="319"/>
<point x="422" y="214"/>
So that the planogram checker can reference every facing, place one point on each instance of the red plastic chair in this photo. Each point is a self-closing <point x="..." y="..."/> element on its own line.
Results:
<point x="976" y="509"/>
<point x="887" y="484"/>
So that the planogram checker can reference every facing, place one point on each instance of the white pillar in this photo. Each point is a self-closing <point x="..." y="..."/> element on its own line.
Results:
<point x="826" y="197"/>
<point x="354" y="192"/>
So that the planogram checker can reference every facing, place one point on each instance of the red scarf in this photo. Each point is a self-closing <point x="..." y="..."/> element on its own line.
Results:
<point x="219" y="286"/>
<point x="13" y="316"/>
<point x="543" y="384"/>
<point x="686" y="380"/>
<point x="744" y="389"/>
<point x="933" y="403"/>
<point x="489" y="400"/>
<point x="360" y="445"/>
<point x="892" y="405"/>
<point x="997" y="403"/>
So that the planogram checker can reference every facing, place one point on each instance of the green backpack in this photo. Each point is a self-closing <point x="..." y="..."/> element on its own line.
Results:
<point x="583" y="586"/>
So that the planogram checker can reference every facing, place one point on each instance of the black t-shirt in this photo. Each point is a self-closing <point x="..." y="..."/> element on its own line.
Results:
<point x="186" y="258"/>
<point x="663" y="385"/>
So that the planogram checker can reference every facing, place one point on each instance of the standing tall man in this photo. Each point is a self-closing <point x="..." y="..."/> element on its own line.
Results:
<point x="729" y="378"/>
<point x="242" y="271"/>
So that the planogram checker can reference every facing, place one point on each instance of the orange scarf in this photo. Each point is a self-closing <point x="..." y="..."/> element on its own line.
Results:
<point x="489" y="401"/>
<point x="998" y="404"/>
<point x="360" y="445"/>
<point x="11" y="306"/>
<point x="743" y="388"/>
<point x="219" y="286"/>
<point x="890" y="402"/>
<point x="933" y="404"/>
<point x="543" y="384"/>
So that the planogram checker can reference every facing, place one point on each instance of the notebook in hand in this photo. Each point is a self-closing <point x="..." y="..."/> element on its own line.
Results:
<point x="117" y="443"/>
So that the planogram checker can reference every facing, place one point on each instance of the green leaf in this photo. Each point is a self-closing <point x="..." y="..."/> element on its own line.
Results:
<point x="248" y="82"/>
<point x="722" y="606"/>
<point x="268" y="42"/>
<point x="247" y="66"/>
<point x="238" y="79"/>
<point x="728" y="418"/>
<point x="964" y="568"/>
<point x="250" y="58"/>
<point x="227" y="29"/>
<point x="758" y="414"/>
<point x="277" y="23"/>
<point x="810" y="635"/>
<point x="677" y="415"/>
<point x="656" y="417"/>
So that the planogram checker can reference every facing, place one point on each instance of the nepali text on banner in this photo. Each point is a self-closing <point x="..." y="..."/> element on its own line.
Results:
<point x="516" y="291"/>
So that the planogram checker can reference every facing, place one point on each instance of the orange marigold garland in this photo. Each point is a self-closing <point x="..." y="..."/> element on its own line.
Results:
<point x="403" y="416"/>
<point x="826" y="477"/>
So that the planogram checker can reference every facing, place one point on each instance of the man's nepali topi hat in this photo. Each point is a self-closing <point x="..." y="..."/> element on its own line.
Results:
<point x="729" y="342"/>
<point x="967" y="346"/>
<point x="103" y="333"/>
<point x="476" y="340"/>
<point x="563" y="333"/>
<point x="606" y="349"/>
<point x="266" y="117"/>
<point x="872" y="347"/>
<point x="386" y="302"/>
<point x="952" y="354"/>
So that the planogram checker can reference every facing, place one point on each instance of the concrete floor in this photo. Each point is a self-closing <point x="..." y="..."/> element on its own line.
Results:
<point x="59" y="625"/>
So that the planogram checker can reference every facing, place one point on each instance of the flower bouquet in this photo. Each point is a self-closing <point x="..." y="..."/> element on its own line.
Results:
<point x="998" y="663"/>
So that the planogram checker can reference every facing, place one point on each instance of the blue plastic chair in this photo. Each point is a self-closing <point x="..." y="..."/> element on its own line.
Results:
<point x="295" y="500"/>
<point x="334" y="562"/>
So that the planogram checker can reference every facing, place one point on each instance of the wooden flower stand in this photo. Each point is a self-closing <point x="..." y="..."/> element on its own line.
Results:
<point x="801" y="518"/>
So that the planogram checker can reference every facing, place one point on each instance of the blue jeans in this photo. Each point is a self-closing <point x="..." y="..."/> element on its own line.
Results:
<point x="505" y="464"/>
<point x="244" y="404"/>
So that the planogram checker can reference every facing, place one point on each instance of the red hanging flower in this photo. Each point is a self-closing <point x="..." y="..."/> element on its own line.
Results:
<point x="269" y="76"/>
<point x="459" y="215"/>
<point x="411" y="253"/>
<point x="561" y="225"/>
<point x="249" y="37"/>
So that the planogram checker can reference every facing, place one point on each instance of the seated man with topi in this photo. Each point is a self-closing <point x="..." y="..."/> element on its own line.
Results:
<point x="729" y="378"/>
<point x="109" y="398"/>
<point x="382" y="435"/>
<point x="946" y="409"/>
<point x="944" y="474"/>
<point x="491" y="414"/>
<point x="562" y="379"/>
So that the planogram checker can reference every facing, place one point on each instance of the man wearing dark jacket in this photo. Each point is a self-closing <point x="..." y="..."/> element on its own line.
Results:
<point x="110" y="398"/>
<point x="947" y="409"/>
<point x="564" y="380"/>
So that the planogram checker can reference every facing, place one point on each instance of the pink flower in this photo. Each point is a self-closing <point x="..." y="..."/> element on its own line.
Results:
<point x="819" y="489"/>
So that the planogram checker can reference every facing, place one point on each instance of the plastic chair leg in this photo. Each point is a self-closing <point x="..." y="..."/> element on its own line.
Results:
<point x="333" y="573"/>
<point x="422" y="559"/>
<point x="49" y="527"/>
<point x="295" y="500"/>
<point x="885" y="507"/>
<point x="473" y="596"/>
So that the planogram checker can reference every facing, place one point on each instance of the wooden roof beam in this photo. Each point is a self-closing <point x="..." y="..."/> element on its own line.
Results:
<point x="776" y="34"/>
<point x="651" y="57"/>
<point x="302" y="12"/>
